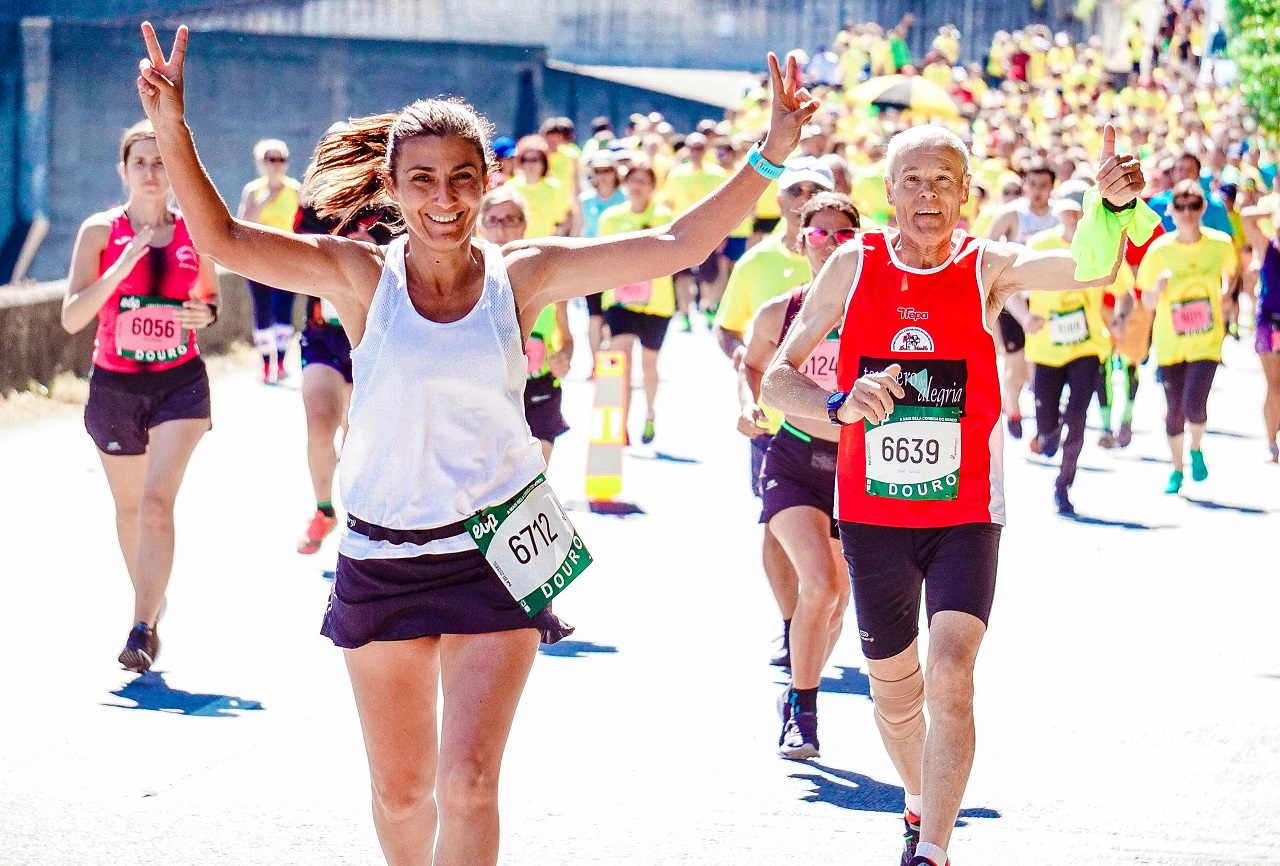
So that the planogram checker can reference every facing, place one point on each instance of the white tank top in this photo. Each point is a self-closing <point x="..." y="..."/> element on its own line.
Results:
<point x="437" y="426"/>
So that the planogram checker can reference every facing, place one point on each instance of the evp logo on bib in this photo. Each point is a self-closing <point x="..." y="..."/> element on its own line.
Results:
<point x="912" y="339"/>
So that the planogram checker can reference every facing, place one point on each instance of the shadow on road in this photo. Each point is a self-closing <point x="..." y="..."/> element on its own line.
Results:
<point x="151" y="692"/>
<point x="848" y="790"/>
<point x="1119" y="524"/>
<point x="852" y="681"/>
<point x="575" y="649"/>
<point x="663" y="456"/>
<point x="1222" y="506"/>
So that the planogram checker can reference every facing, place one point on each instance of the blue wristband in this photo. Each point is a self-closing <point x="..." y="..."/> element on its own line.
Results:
<point x="756" y="160"/>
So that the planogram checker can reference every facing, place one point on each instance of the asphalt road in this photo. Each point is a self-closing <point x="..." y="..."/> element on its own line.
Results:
<point x="1128" y="690"/>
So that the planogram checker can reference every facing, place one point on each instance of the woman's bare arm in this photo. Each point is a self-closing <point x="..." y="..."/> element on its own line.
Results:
<point x="345" y="272"/>
<point x="553" y="269"/>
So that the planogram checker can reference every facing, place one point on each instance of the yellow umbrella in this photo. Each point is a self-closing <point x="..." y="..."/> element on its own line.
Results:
<point x="906" y="92"/>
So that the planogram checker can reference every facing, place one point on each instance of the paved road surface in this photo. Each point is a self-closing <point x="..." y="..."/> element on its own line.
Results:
<point x="1128" y="692"/>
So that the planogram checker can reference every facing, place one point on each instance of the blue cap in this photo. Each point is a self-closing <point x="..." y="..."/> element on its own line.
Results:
<point x="504" y="147"/>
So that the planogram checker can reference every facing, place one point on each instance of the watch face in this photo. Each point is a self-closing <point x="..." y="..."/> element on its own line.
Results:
<point x="836" y="400"/>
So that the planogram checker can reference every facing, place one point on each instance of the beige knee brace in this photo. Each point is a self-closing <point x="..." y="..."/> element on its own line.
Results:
<point x="899" y="705"/>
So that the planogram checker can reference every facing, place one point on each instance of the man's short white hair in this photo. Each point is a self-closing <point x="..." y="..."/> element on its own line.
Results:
<point x="926" y="135"/>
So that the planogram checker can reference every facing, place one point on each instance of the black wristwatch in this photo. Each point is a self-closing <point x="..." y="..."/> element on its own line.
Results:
<point x="834" y="402"/>
<point x="1109" y="206"/>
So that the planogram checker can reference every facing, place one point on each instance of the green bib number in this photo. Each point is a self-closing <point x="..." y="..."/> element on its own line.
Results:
<point x="915" y="454"/>
<point x="531" y="545"/>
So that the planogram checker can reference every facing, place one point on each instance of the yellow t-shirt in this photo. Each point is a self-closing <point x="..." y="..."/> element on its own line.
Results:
<point x="281" y="212"/>
<point x="563" y="165"/>
<point x="766" y="270"/>
<point x="655" y="297"/>
<point x="548" y="205"/>
<point x="767" y="205"/>
<point x="687" y="185"/>
<point x="1073" y="326"/>
<point x="1188" y="323"/>
<point x="869" y="195"/>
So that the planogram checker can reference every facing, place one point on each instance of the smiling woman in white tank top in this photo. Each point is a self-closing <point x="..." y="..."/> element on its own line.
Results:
<point x="437" y="433"/>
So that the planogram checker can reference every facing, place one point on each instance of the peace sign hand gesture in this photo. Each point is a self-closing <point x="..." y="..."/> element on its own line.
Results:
<point x="160" y="80"/>
<point x="1120" y="178"/>
<point x="793" y="107"/>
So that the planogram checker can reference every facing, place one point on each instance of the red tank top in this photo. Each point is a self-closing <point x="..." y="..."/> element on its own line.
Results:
<point x="137" y="327"/>
<point x="937" y="460"/>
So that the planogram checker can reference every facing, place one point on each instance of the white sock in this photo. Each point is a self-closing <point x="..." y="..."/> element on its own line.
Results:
<point x="933" y="852"/>
<point x="915" y="803"/>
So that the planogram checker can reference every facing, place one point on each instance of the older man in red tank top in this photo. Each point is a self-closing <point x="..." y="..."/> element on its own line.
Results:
<point x="919" y="480"/>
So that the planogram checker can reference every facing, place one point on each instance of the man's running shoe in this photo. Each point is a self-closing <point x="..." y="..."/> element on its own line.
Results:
<point x="923" y="861"/>
<point x="1125" y="436"/>
<point x="911" y="838"/>
<point x="141" y="649"/>
<point x="281" y="373"/>
<point x="1015" y="427"/>
<point x="1175" y="482"/>
<point x="320" y="526"/>
<point x="784" y="712"/>
<point x="1107" y="440"/>
<point x="647" y="436"/>
<point x="1274" y="450"/>
<point x="800" y="737"/>
<point x="1199" y="472"/>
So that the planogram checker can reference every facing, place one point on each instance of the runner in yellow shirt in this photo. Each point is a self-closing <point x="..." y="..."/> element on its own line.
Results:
<point x="1066" y="342"/>
<point x="639" y="311"/>
<point x="1184" y="278"/>
<point x="770" y="268"/>
<point x="546" y="201"/>
<point x="686" y="184"/>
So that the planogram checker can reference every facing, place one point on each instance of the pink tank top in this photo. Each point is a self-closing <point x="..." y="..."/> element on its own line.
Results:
<point x="138" y="328"/>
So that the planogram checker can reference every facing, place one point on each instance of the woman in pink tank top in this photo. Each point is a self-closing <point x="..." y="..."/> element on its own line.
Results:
<point x="134" y="268"/>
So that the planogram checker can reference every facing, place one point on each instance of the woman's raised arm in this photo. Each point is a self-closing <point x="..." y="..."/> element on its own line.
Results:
<point x="554" y="269"/>
<point x="318" y="265"/>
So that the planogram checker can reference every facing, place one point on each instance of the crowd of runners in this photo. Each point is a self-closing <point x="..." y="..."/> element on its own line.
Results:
<point x="884" y="281"/>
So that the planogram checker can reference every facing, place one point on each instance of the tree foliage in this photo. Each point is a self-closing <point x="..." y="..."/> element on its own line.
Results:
<point x="1254" y="26"/>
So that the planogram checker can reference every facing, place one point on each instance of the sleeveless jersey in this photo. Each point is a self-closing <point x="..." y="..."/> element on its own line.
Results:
<point x="1269" y="285"/>
<point x="437" y="424"/>
<point x="821" y="365"/>
<point x="937" y="460"/>
<point x="137" y="327"/>
<point x="283" y="211"/>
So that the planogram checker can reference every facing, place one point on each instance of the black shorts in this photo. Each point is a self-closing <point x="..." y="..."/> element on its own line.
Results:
<point x="759" y="447"/>
<point x="888" y="565"/>
<point x="1011" y="333"/>
<point x="123" y="407"/>
<point x="799" y="472"/>
<point x="707" y="272"/>
<point x="328" y="346"/>
<point x="734" y="248"/>
<point x="593" y="304"/>
<point x="650" y="329"/>
<point x="765" y="225"/>
<point x="542" y="408"/>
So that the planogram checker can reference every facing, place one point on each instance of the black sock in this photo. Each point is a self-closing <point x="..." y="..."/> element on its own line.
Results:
<point x="805" y="700"/>
<point x="786" y="633"/>
<point x="325" y="508"/>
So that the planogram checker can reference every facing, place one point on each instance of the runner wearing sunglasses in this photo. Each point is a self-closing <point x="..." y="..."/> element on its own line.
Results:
<point x="1185" y="278"/>
<point x="798" y="481"/>
<point x="771" y="268"/>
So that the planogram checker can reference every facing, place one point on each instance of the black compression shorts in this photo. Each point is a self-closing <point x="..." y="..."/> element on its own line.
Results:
<point x="889" y="565"/>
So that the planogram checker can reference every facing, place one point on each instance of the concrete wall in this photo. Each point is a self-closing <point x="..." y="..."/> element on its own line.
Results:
<point x="583" y="98"/>
<point x="10" y="105"/>
<point x="33" y="345"/>
<point x="241" y="88"/>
